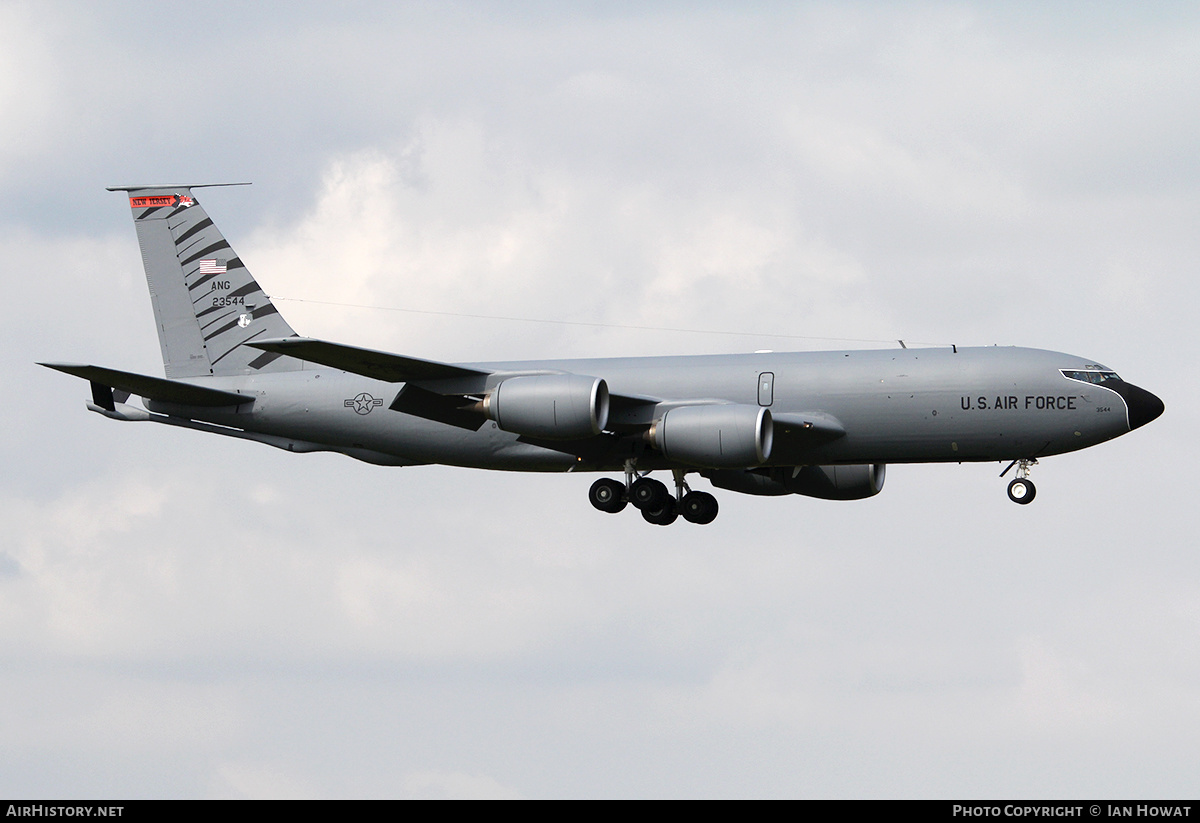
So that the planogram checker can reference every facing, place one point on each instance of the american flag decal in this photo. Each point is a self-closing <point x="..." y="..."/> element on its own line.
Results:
<point x="212" y="267"/>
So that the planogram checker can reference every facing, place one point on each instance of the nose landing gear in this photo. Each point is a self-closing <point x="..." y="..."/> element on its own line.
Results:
<point x="1021" y="489"/>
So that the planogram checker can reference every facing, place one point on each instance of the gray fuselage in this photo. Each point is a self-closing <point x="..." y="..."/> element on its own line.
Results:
<point x="895" y="406"/>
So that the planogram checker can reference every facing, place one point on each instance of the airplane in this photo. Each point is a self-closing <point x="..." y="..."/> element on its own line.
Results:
<point x="819" y="424"/>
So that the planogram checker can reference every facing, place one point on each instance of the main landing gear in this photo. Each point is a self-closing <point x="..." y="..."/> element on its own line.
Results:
<point x="657" y="504"/>
<point x="1021" y="489"/>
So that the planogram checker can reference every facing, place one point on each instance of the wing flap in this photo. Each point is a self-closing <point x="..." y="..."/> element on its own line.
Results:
<point x="152" y="388"/>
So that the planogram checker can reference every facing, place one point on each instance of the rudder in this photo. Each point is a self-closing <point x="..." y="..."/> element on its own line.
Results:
<point x="206" y="304"/>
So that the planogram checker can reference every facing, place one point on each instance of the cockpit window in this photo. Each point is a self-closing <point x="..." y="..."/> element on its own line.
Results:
<point x="1090" y="375"/>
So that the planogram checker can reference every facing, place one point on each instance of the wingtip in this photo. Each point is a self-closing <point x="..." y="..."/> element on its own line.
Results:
<point x="275" y="343"/>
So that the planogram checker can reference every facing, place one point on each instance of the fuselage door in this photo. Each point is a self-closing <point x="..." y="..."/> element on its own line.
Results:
<point x="766" y="388"/>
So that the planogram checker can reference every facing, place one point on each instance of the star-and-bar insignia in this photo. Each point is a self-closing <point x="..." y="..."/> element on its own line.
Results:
<point x="363" y="403"/>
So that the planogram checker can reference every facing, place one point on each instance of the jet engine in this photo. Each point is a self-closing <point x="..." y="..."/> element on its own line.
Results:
<point x="717" y="436"/>
<point x="826" y="482"/>
<point x="554" y="406"/>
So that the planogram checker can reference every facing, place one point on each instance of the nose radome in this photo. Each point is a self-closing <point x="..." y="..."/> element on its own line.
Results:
<point x="1143" y="406"/>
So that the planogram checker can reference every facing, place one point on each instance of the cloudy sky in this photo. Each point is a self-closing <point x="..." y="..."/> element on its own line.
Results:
<point x="183" y="615"/>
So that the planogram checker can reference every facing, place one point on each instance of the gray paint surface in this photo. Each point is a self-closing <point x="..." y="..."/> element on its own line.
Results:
<point x="903" y="406"/>
<point x="189" y="615"/>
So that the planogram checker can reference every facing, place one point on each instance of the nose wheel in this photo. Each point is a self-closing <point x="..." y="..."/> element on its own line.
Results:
<point x="1021" y="489"/>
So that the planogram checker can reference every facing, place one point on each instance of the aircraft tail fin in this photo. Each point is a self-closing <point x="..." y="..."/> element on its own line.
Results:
<point x="206" y="304"/>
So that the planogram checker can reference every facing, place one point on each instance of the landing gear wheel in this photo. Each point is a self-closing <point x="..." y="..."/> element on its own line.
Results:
<point x="1021" y="491"/>
<point x="648" y="495"/>
<point x="663" y="515"/>
<point x="607" y="495"/>
<point x="699" y="507"/>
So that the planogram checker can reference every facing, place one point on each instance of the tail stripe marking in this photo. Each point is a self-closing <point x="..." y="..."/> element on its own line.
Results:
<point x="201" y="281"/>
<point x="186" y="247"/>
<point x="249" y="288"/>
<point x="244" y="290"/>
<point x="201" y="226"/>
<point x="149" y="212"/>
<point x="232" y="324"/>
<point x="263" y="311"/>
<point x="201" y="309"/>
<point x="264" y="359"/>
<point x="224" y="312"/>
<point x="259" y="313"/>
<point x="238" y="345"/>
<point x="235" y="263"/>
<point x="205" y="252"/>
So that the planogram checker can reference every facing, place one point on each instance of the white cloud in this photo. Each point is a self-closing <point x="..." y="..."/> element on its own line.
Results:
<point x="219" y="618"/>
<point x="433" y="785"/>
<point x="30" y="94"/>
<point x="254" y="781"/>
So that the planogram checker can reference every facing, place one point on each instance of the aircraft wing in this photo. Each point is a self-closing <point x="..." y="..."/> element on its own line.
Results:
<point x="434" y="390"/>
<point x="378" y="365"/>
<point x="151" y="388"/>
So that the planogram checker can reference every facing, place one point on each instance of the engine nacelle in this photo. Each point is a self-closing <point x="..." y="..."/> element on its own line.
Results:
<point x="716" y="436"/>
<point x="826" y="482"/>
<point x="554" y="406"/>
<point x="838" y="482"/>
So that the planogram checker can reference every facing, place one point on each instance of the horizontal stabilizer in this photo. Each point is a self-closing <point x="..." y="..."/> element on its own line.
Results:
<point x="151" y="388"/>
<point x="173" y="186"/>
<point x="378" y="365"/>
